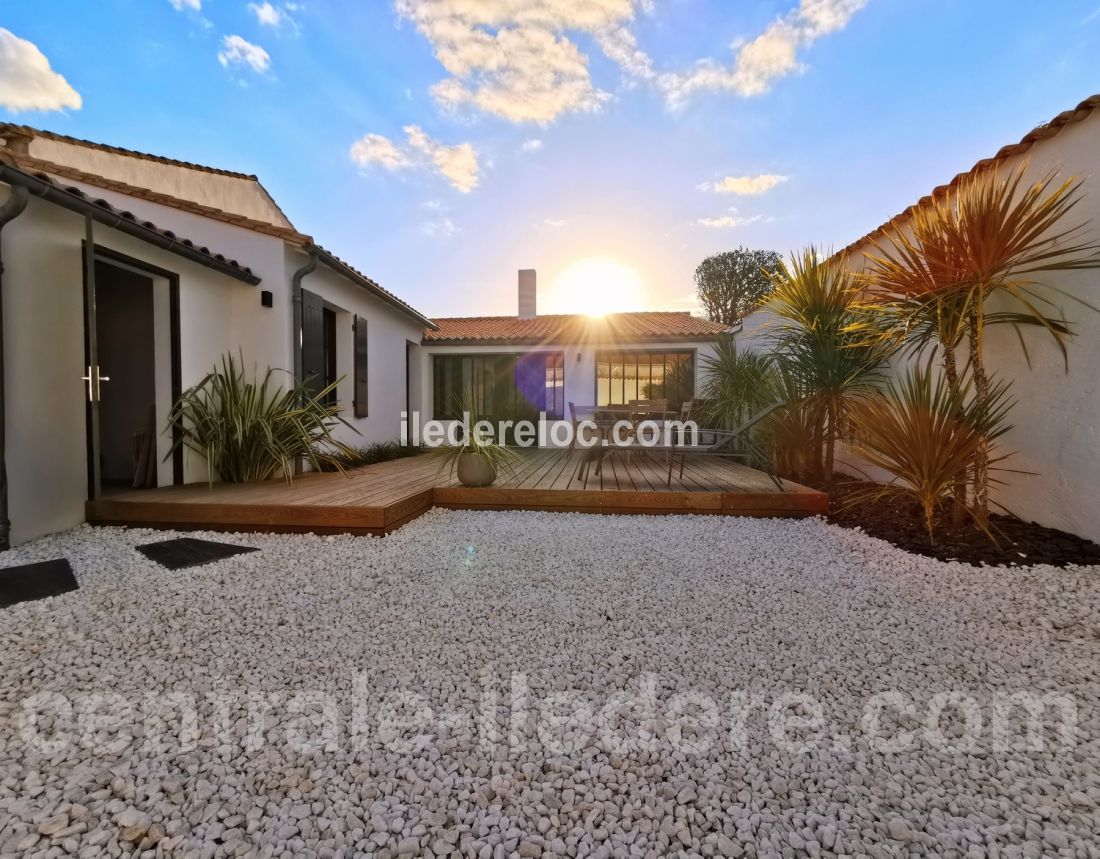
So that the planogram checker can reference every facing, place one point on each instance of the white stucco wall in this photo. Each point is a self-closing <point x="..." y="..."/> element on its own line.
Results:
<point x="44" y="351"/>
<point x="1056" y="419"/>
<point x="236" y="194"/>
<point x="264" y="335"/>
<point x="388" y="331"/>
<point x="752" y="336"/>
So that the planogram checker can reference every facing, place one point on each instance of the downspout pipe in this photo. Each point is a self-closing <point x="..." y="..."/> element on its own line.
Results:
<point x="13" y="207"/>
<point x="296" y="303"/>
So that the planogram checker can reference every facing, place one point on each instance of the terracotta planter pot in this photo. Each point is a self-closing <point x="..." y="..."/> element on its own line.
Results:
<point x="475" y="470"/>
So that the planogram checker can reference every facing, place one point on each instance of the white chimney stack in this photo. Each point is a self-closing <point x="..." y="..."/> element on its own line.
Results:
<point x="527" y="290"/>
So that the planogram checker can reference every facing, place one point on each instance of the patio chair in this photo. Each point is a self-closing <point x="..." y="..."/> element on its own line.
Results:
<point x="733" y="444"/>
<point x="590" y="456"/>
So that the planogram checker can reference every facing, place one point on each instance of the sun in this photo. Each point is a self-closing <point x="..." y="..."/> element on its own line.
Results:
<point x="596" y="286"/>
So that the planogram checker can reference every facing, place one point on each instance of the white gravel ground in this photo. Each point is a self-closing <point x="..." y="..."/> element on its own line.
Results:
<point x="356" y="696"/>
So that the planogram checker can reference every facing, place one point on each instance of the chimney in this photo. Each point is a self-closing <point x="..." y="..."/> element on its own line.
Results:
<point x="527" y="292"/>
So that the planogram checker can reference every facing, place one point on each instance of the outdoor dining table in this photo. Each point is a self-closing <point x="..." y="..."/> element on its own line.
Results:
<point x="605" y="419"/>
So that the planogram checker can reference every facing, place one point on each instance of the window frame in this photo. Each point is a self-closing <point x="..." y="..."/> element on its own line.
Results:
<point x="692" y="353"/>
<point x="499" y="388"/>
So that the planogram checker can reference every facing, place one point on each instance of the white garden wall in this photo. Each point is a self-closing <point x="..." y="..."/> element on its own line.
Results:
<point x="1056" y="434"/>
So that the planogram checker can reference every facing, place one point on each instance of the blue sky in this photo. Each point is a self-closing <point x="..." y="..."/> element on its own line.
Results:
<point x="439" y="145"/>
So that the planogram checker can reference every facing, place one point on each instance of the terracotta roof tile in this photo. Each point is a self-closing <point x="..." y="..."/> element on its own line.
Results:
<point x="575" y="328"/>
<point x="1043" y="132"/>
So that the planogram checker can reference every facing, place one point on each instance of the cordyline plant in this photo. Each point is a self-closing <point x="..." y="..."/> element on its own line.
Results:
<point x="926" y="434"/>
<point x="993" y="235"/>
<point x="249" y="431"/>
<point x="823" y="360"/>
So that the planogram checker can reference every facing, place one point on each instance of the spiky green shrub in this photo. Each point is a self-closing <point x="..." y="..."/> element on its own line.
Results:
<point x="928" y="434"/>
<point x="492" y="451"/>
<point x="249" y="430"/>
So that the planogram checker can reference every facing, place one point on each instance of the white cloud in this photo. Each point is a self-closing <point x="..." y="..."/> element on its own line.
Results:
<point x="726" y="222"/>
<point x="757" y="64"/>
<point x="267" y="14"/>
<point x="180" y="5"/>
<point x="514" y="58"/>
<point x="744" y="185"/>
<point x="374" y="150"/>
<point x="457" y="164"/>
<point x="554" y="223"/>
<point x="518" y="59"/>
<point x="26" y="80"/>
<point x="532" y="145"/>
<point x="441" y="229"/>
<point x="237" y="51"/>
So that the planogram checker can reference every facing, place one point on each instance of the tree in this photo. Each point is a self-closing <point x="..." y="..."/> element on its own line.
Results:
<point x="731" y="284"/>
<point x="819" y="348"/>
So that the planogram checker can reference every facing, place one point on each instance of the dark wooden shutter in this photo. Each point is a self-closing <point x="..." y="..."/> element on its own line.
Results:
<point x="313" y="341"/>
<point x="361" y="387"/>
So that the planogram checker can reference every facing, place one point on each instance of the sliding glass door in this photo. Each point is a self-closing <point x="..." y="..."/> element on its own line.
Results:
<point x="504" y="386"/>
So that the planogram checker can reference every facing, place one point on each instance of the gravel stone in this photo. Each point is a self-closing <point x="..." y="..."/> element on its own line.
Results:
<point x="464" y="627"/>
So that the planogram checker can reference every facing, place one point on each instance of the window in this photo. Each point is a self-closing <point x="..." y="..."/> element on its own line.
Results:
<point x="505" y="387"/>
<point x="625" y="376"/>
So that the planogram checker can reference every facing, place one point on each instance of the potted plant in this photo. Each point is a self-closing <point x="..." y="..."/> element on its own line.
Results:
<point x="478" y="458"/>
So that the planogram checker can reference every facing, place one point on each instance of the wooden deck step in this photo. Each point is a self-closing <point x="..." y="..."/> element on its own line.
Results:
<point x="380" y="498"/>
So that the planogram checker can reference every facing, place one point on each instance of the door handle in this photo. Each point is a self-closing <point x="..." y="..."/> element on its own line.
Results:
<point x="94" y="379"/>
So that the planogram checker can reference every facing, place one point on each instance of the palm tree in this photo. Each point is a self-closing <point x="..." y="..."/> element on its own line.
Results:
<point x="819" y="350"/>
<point x="992" y="235"/>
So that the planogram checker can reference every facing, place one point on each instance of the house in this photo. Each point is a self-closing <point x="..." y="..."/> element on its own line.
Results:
<point x="1056" y="432"/>
<point x="124" y="277"/>
<point x="519" y="366"/>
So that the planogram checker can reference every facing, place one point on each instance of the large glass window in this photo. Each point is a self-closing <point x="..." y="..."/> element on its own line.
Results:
<point x="505" y="387"/>
<point x="625" y="376"/>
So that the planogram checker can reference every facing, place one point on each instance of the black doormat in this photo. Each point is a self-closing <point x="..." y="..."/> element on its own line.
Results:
<point x="189" y="552"/>
<point x="35" y="581"/>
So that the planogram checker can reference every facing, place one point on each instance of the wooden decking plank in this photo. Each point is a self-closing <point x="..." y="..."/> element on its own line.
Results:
<point x="568" y="474"/>
<point x="379" y="498"/>
<point x="532" y="478"/>
<point x="564" y="468"/>
<point x="697" y="471"/>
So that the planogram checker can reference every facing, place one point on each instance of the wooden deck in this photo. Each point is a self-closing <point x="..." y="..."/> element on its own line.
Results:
<point x="379" y="498"/>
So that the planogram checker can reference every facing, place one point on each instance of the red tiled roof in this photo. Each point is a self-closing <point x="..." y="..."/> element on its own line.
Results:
<point x="575" y="328"/>
<point x="1043" y="132"/>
